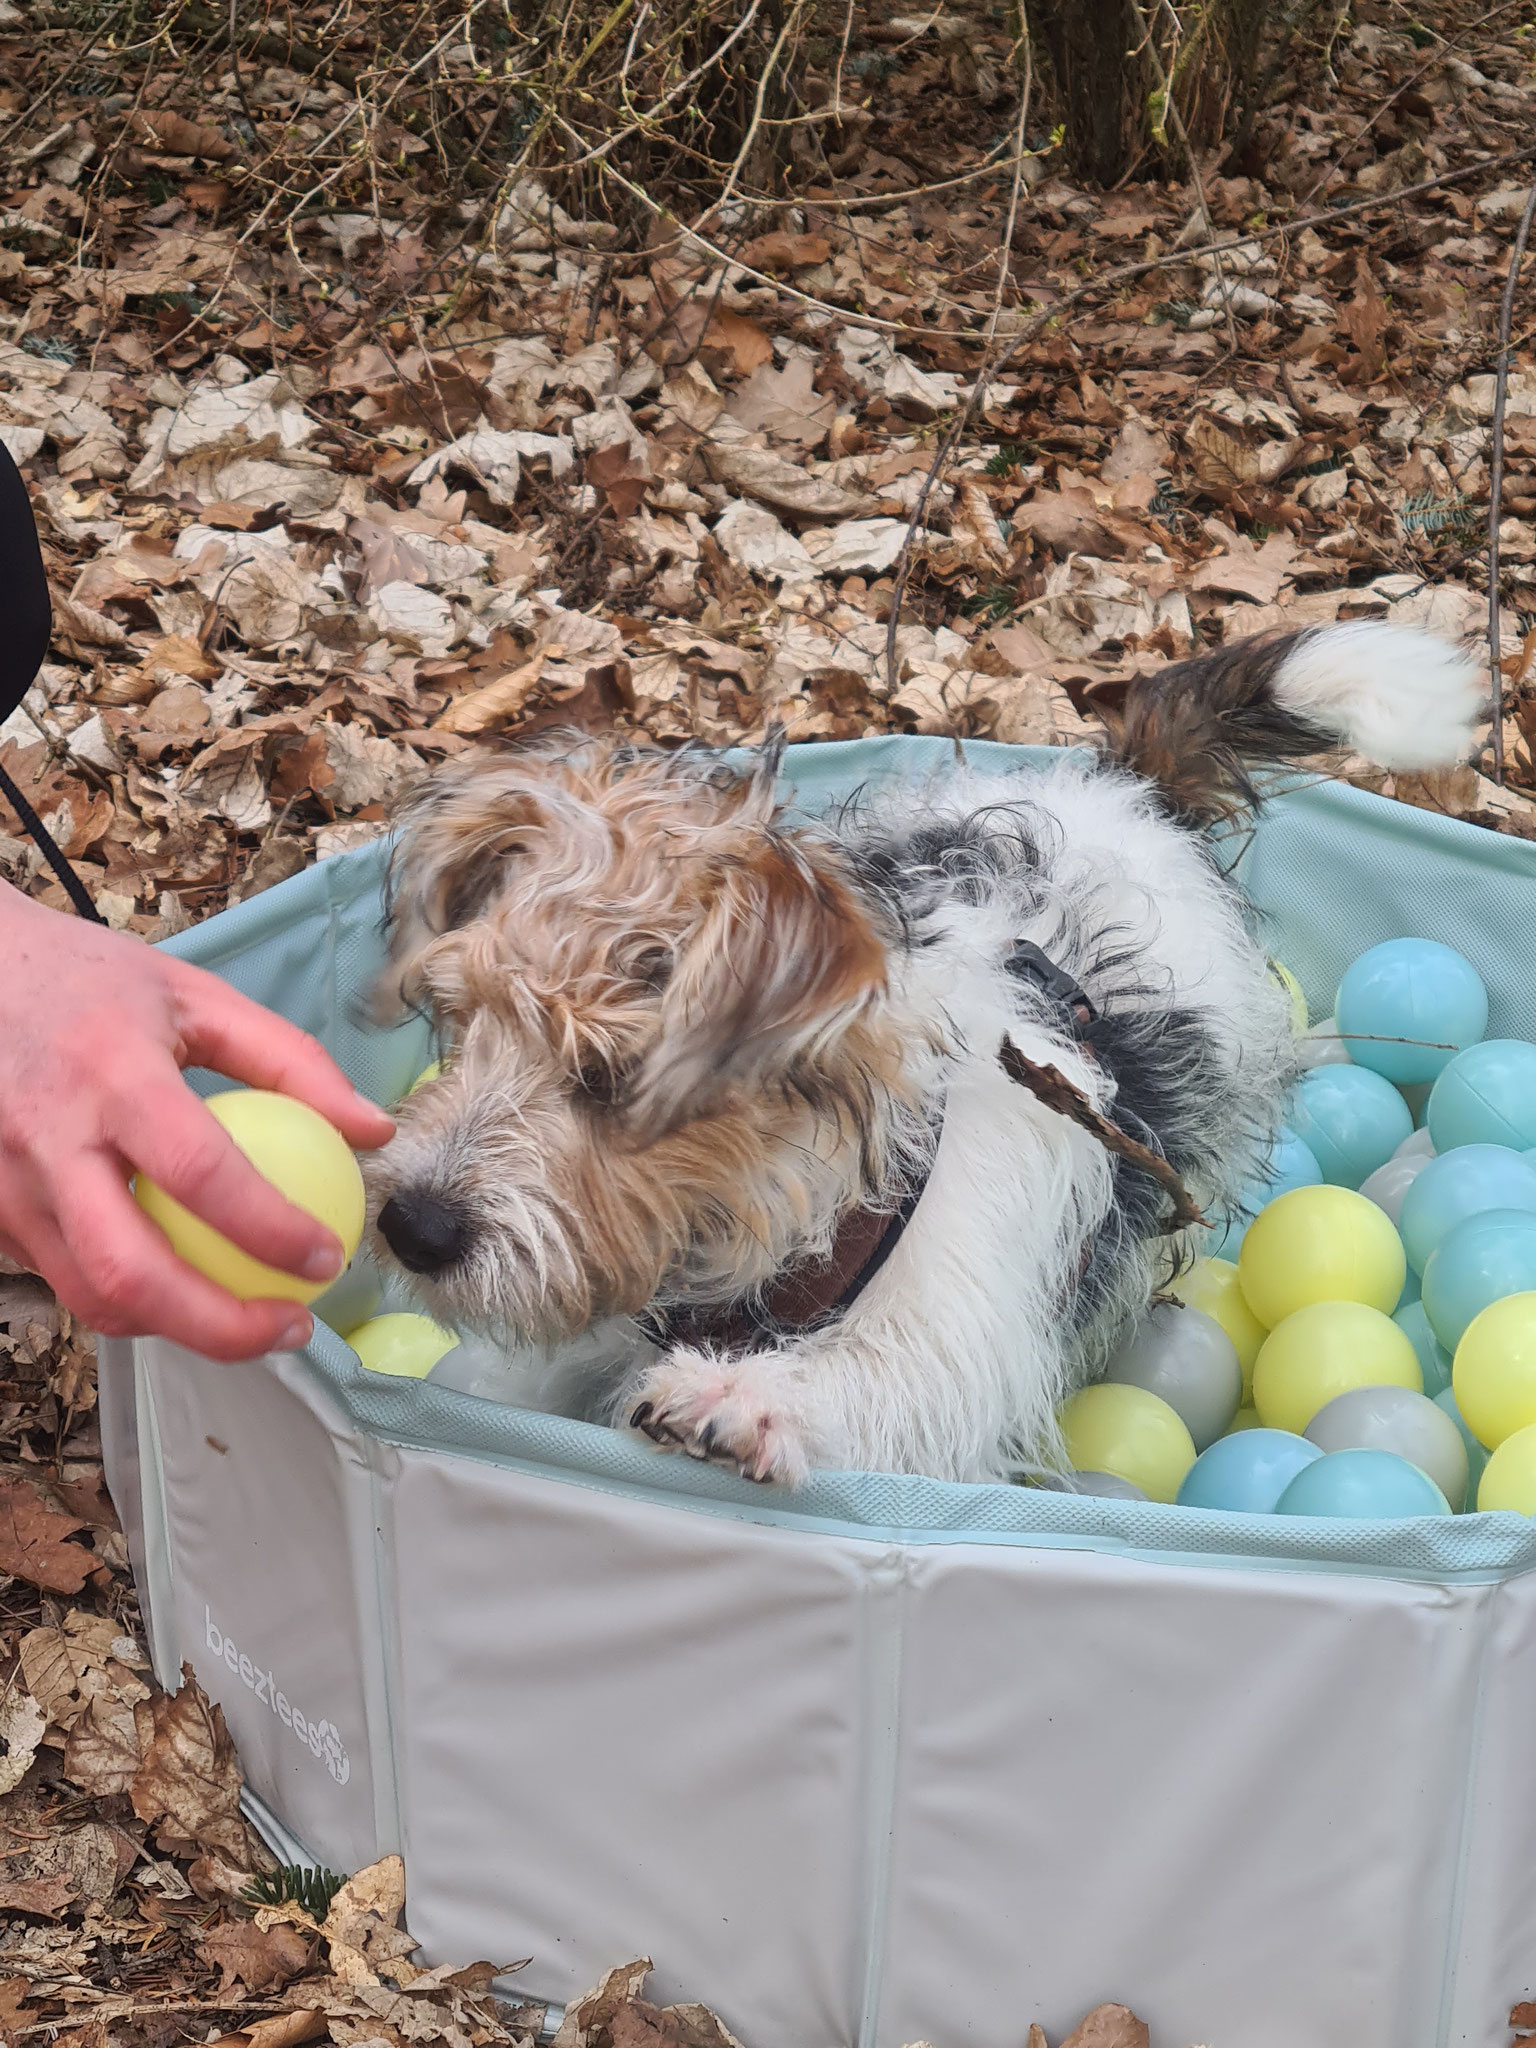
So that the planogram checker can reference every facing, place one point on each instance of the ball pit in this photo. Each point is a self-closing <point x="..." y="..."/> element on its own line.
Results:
<point x="404" y="1346"/>
<point x="1379" y="1300"/>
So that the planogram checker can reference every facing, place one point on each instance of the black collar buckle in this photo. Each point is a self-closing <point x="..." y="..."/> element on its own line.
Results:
<point x="1027" y="963"/>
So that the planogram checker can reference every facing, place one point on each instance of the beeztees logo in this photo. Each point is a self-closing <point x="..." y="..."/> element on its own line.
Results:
<point x="321" y="1738"/>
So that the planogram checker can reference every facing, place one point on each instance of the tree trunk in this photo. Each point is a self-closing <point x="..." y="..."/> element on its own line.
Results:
<point x="1098" y="82"/>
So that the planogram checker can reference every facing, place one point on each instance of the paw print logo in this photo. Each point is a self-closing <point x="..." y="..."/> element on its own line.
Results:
<point x="333" y="1752"/>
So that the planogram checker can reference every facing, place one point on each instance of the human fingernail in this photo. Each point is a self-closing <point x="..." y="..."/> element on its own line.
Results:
<point x="296" y="1334"/>
<point x="323" y="1263"/>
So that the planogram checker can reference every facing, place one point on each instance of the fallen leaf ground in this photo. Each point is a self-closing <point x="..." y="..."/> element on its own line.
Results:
<point x="351" y="448"/>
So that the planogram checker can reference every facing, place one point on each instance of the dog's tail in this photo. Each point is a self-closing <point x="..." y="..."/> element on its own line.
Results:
<point x="1198" y="728"/>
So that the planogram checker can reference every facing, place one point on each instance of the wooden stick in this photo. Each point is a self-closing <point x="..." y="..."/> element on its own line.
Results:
<point x="1053" y="1088"/>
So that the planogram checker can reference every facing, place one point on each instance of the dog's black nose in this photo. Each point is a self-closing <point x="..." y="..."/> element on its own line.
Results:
<point x="424" y="1234"/>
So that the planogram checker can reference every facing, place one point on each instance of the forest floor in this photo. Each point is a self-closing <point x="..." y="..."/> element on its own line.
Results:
<point x="345" y="460"/>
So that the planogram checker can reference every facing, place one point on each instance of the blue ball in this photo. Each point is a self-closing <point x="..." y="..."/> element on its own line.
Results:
<point x="1477" y="1454"/>
<point x="1486" y="1096"/>
<point x="1365" y="1485"/>
<point x="1247" y="1473"/>
<point x="1434" y="1359"/>
<point x="1291" y="1164"/>
<point x="1351" y="1120"/>
<point x="1410" y="989"/>
<point x="1484" y="1258"/>
<point x="1460" y="1184"/>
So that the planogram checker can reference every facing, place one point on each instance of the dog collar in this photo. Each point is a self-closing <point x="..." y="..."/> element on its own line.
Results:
<point x="803" y="1297"/>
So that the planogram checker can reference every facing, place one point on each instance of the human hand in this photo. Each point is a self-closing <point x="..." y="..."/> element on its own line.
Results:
<point x="95" y="1027"/>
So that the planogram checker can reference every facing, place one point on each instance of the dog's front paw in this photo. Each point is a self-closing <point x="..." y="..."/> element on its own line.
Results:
<point x="725" y="1412"/>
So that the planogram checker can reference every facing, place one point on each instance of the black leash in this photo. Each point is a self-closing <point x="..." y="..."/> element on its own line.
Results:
<point x="49" y="847"/>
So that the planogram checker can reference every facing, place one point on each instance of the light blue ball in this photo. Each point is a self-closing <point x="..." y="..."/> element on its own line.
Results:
<point x="1484" y="1258"/>
<point x="1434" y="1359"/>
<point x="1486" y="1096"/>
<point x="1247" y="1473"/>
<point x="1477" y="1454"/>
<point x="1351" y="1120"/>
<point x="1410" y="989"/>
<point x="1291" y="1165"/>
<point x="1459" y="1184"/>
<point x="1364" y="1485"/>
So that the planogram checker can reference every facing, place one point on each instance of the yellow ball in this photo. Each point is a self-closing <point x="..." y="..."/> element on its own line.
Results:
<point x="1494" y="1374"/>
<point x="1131" y="1433"/>
<point x="292" y="1146"/>
<point x="1509" y="1477"/>
<point x="407" y="1346"/>
<point x="1212" y="1285"/>
<point x="1300" y="1018"/>
<point x="1326" y="1350"/>
<point x="430" y="1072"/>
<point x="1320" y="1244"/>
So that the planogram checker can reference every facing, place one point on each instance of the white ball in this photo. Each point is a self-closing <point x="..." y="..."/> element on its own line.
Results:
<point x="1420" y="1146"/>
<point x="1387" y="1186"/>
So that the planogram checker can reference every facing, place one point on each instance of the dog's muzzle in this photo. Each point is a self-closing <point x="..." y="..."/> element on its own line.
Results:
<point x="424" y="1234"/>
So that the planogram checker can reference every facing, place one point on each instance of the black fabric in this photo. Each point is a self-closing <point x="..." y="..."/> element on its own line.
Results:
<point x="26" y="619"/>
<point x="26" y="625"/>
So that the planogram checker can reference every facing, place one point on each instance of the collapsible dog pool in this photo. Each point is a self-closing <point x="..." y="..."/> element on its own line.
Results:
<point x="887" y="1759"/>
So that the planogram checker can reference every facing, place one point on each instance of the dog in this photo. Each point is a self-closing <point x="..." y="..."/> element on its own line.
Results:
<point x="724" y="1086"/>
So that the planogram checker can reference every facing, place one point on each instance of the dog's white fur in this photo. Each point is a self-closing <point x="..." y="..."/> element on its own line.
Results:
<point x="954" y="1359"/>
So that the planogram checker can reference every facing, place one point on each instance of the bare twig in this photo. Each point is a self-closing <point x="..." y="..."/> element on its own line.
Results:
<point x="1496" y="480"/>
<point x="1050" y="1086"/>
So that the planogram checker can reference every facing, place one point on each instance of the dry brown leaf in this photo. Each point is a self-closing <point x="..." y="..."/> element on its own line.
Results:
<point x="783" y="484"/>
<point x="742" y="342"/>
<point x="1036" y="2037"/>
<point x="283" y="2030"/>
<point x="189" y="1776"/>
<point x="102" y="1753"/>
<point x="23" y="1724"/>
<point x="34" y="1542"/>
<point x="586" y="2017"/>
<point x="780" y="251"/>
<point x="262" y="1959"/>
<point x="784" y="402"/>
<point x="179" y="656"/>
<point x="1247" y="571"/>
<point x="1109" y="2026"/>
<point x="498" y="702"/>
<point x="173" y="135"/>
<point x="620" y="476"/>
<point x="1069" y="523"/>
<point x="49" y="1896"/>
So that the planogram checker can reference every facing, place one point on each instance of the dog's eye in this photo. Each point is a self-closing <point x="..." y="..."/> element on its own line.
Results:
<point x="653" y="967"/>
<point x="599" y="1083"/>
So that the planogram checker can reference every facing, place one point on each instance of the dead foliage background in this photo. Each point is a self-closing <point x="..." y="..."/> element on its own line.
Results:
<point x="395" y="379"/>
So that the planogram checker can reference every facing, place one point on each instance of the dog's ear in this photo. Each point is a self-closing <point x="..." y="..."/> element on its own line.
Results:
<point x="457" y="832"/>
<point x="783" y="956"/>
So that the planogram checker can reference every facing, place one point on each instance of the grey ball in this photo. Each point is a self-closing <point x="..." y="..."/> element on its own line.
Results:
<point x="1187" y="1359"/>
<point x="1396" y="1419"/>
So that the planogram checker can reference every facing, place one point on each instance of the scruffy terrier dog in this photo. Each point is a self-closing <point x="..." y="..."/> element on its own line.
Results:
<point x="729" y="1083"/>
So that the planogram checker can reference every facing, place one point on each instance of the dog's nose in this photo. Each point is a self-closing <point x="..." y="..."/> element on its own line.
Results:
<point x="424" y="1234"/>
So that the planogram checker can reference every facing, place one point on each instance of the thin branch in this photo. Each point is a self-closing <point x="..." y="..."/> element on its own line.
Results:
<point x="1496" y="481"/>
<point x="1050" y="1086"/>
